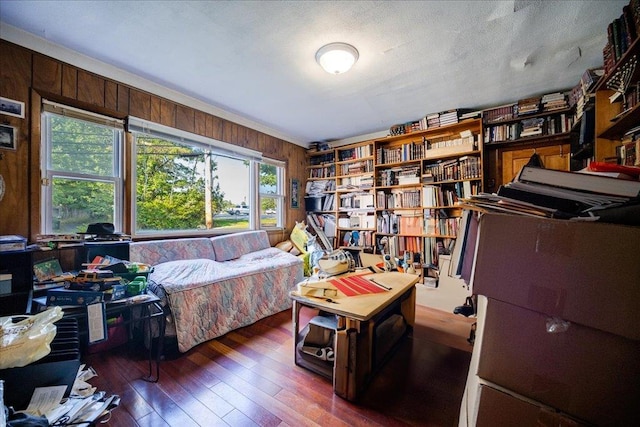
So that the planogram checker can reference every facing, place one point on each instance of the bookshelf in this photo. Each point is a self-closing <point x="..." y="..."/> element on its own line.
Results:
<point x="320" y="192"/>
<point x="512" y="133"/>
<point x="419" y="177"/>
<point x="618" y="110"/>
<point x="355" y="201"/>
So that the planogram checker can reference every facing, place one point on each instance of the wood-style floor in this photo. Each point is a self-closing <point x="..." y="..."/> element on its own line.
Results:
<point x="248" y="378"/>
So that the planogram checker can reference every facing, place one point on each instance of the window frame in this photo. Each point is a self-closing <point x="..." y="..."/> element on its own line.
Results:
<point x="48" y="174"/>
<point x="136" y="126"/>
<point x="279" y="196"/>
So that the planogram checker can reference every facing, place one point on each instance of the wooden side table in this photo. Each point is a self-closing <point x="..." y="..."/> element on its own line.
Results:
<point x="357" y="322"/>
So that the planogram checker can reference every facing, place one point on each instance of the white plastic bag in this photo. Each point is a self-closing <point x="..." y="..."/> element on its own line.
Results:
<point x="29" y="339"/>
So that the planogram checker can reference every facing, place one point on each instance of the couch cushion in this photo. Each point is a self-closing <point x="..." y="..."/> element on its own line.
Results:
<point x="158" y="251"/>
<point x="232" y="246"/>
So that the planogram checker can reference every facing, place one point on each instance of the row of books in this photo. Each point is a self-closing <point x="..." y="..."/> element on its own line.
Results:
<point x="549" y="125"/>
<point x="356" y="167"/>
<point x="466" y="167"/>
<point x="360" y="221"/>
<point x="621" y="33"/>
<point x="354" y="153"/>
<point x="630" y="147"/>
<point x="433" y="248"/>
<point x="323" y="172"/>
<point x="397" y="246"/>
<point x="355" y="182"/>
<point x="431" y="222"/>
<point x="427" y="148"/>
<point x="396" y="199"/>
<point x="324" y="228"/>
<point x="549" y="102"/>
<point x="322" y="159"/>
<point x="328" y="204"/>
<point x="405" y="175"/>
<point x="437" y="195"/>
<point x="433" y="120"/>
<point x="319" y="186"/>
<point x="361" y="200"/>
<point x="356" y="239"/>
<point x="435" y="224"/>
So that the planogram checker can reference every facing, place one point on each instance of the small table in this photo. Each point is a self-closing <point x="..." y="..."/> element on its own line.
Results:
<point x="358" y="320"/>
<point x="134" y="310"/>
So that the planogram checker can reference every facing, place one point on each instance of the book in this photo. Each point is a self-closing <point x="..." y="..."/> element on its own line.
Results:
<point x="12" y="243"/>
<point x="64" y="297"/>
<point x="581" y="182"/>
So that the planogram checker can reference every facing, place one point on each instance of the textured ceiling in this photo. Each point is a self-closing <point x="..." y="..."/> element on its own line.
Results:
<point x="255" y="59"/>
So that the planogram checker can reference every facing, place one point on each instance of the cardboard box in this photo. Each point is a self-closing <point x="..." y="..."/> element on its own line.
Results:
<point x="588" y="373"/>
<point x="499" y="409"/>
<point x="588" y="273"/>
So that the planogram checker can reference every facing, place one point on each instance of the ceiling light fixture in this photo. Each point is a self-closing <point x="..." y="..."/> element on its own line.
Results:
<point x="337" y="58"/>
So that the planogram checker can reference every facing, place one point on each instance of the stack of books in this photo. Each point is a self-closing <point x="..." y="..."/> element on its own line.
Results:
<point x="581" y="95"/>
<point x="532" y="127"/>
<point x="529" y="105"/>
<point x="433" y="120"/>
<point x="448" y="117"/>
<point x="554" y="101"/>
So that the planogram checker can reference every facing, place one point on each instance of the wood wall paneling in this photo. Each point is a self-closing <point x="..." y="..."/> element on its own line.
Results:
<point x="47" y="74"/>
<point x="185" y="118"/>
<point x="111" y="95"/>
<point x="123" y="99"/>
<point x="139" y="104"/>
<point x="15" y="79"/>
<point x="200" y="120"/>
<point x="227" y="131"/>
<point x="33" y="166"/>
<point x="155" y="109"/>
<point x="252" y="138"/>
<point x="69" y="81"/>
<point x="214" y="127"/>
<point x="90" y="88"/>
<point x="167" y="113"/>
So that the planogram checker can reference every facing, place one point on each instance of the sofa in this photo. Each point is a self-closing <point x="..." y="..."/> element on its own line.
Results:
<point x="213" y="285"/>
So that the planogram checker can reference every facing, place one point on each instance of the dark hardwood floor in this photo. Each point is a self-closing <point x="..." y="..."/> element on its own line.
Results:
<point x="248" y="378"/>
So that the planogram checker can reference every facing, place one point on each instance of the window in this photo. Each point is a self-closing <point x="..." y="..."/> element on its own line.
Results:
<point x="271" y="193"/>
<point x="81" y="164"/>
<point x="186" y="183"/>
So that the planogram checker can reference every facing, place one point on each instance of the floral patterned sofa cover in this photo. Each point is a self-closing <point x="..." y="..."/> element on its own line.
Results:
<point x="218" y="284"/>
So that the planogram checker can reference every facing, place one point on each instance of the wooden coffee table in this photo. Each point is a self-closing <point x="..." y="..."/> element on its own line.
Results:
<point x="365" y="328"/>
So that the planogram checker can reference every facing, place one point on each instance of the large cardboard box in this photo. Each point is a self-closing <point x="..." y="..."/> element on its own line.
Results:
<point x="499" y="409"/>
<point x="584" y="272"/>
<point x="590" y="374"/>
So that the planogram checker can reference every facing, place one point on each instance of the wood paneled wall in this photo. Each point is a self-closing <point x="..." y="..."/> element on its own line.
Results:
<point x="29" y="76"/>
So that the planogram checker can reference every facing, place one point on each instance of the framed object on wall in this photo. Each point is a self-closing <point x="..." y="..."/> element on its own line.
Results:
<point x="8" y="137"/>
<point x="11" y="107"/>
<point x="295" y="190"/>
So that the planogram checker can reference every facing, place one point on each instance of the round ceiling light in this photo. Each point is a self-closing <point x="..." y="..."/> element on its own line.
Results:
<point x="337" y="58"/>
